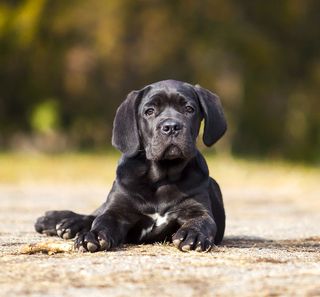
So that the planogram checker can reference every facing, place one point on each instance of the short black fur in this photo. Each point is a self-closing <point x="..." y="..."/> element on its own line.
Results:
<point x="163" y="191"/>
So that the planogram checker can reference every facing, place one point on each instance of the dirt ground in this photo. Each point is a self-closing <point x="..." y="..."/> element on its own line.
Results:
<point x="271" y="247"/>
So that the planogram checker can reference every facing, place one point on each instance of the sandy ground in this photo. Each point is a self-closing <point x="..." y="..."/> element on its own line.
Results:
<point x="271" y="247"/>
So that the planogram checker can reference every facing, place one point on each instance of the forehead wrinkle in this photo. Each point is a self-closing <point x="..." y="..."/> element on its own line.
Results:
<point x="169" y="95"/>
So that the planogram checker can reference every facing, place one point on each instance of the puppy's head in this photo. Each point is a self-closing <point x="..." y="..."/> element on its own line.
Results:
<point x="163" y="119"/>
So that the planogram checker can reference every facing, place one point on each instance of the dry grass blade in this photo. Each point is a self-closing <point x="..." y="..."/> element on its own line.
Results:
<point x="48" y="247"/>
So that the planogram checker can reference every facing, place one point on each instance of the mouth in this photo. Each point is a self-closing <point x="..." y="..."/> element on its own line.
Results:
<point x="173" y="148"/>
<point x="172" y="152"/>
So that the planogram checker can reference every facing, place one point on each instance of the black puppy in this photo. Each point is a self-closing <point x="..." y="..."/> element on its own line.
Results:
<point x="163" y="190"/>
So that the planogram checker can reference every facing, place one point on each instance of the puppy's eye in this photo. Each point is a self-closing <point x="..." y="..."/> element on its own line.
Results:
<point x="189" y="109"/>
<point x="149" y="112"/>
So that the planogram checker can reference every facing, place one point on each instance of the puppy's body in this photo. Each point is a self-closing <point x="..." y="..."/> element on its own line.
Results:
<point x="157" y="204"/>
<point x="163" y="190"/>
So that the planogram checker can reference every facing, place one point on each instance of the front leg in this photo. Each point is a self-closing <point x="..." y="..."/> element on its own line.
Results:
<point x="108" y="230"/>
<point x="63" y="223"/>
<point x="198" y="228"/>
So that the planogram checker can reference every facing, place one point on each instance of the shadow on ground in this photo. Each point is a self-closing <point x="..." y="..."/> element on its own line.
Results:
<point x="309" y="244"/>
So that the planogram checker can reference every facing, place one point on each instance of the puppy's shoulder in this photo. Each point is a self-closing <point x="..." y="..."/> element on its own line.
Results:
<point x="201" y="164"/>
<point x="132" y="167"/>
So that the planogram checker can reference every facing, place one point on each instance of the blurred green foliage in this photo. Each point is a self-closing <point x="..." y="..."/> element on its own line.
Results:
<point x="261" y="57"/>
<point x="45" y="117"/>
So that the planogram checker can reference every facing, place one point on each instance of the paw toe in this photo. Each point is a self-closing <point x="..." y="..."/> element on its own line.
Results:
<point x="92" y="247"/>
<point x="93" y="241"/>
<point x="179" y="237"/>
<point x="190" y="239"/>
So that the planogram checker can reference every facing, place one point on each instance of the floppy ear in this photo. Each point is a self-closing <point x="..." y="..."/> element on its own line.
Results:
<point x="125" y="134"/>
<point x="215" y="124"/>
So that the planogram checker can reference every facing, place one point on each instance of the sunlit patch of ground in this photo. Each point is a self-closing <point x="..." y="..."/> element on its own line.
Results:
<point x="271" y="248"/>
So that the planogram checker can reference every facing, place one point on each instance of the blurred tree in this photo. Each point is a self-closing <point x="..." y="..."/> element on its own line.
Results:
<point x="261" y="57"/>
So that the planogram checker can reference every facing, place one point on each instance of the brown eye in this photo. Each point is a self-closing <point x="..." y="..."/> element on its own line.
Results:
<point x="189" y="109"/>
<point x="149" y="112"/>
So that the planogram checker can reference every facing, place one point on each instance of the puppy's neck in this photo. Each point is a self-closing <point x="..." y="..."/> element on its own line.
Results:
<point x="140" y="171"/>
<point x="169" y="170"/>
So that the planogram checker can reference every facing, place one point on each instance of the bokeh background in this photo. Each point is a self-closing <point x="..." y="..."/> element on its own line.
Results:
<point x="66" y="65"/>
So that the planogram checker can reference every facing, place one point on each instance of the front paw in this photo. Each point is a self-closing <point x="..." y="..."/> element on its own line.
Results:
<point x="65" y="224"/>
<point x="93" y="241"/>
<point x="47" y="224"/>
<point x="187" y="239"/>
<point x="69" y="227"/>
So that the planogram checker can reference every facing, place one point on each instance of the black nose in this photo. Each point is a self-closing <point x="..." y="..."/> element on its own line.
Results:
<point x="169" y="127"/>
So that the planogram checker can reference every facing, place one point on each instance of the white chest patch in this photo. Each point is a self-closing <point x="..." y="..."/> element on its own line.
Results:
<point x="158" y="220"/>
<point x="145" y="231"/>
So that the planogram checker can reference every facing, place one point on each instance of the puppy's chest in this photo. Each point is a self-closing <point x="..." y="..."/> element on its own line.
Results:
<point x="158" y="216"/>
<point x="153" y="223"/>
<point x="155" y="226"/>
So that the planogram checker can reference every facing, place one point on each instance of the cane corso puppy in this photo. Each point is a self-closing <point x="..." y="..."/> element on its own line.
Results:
<point x="162" y="191"/>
